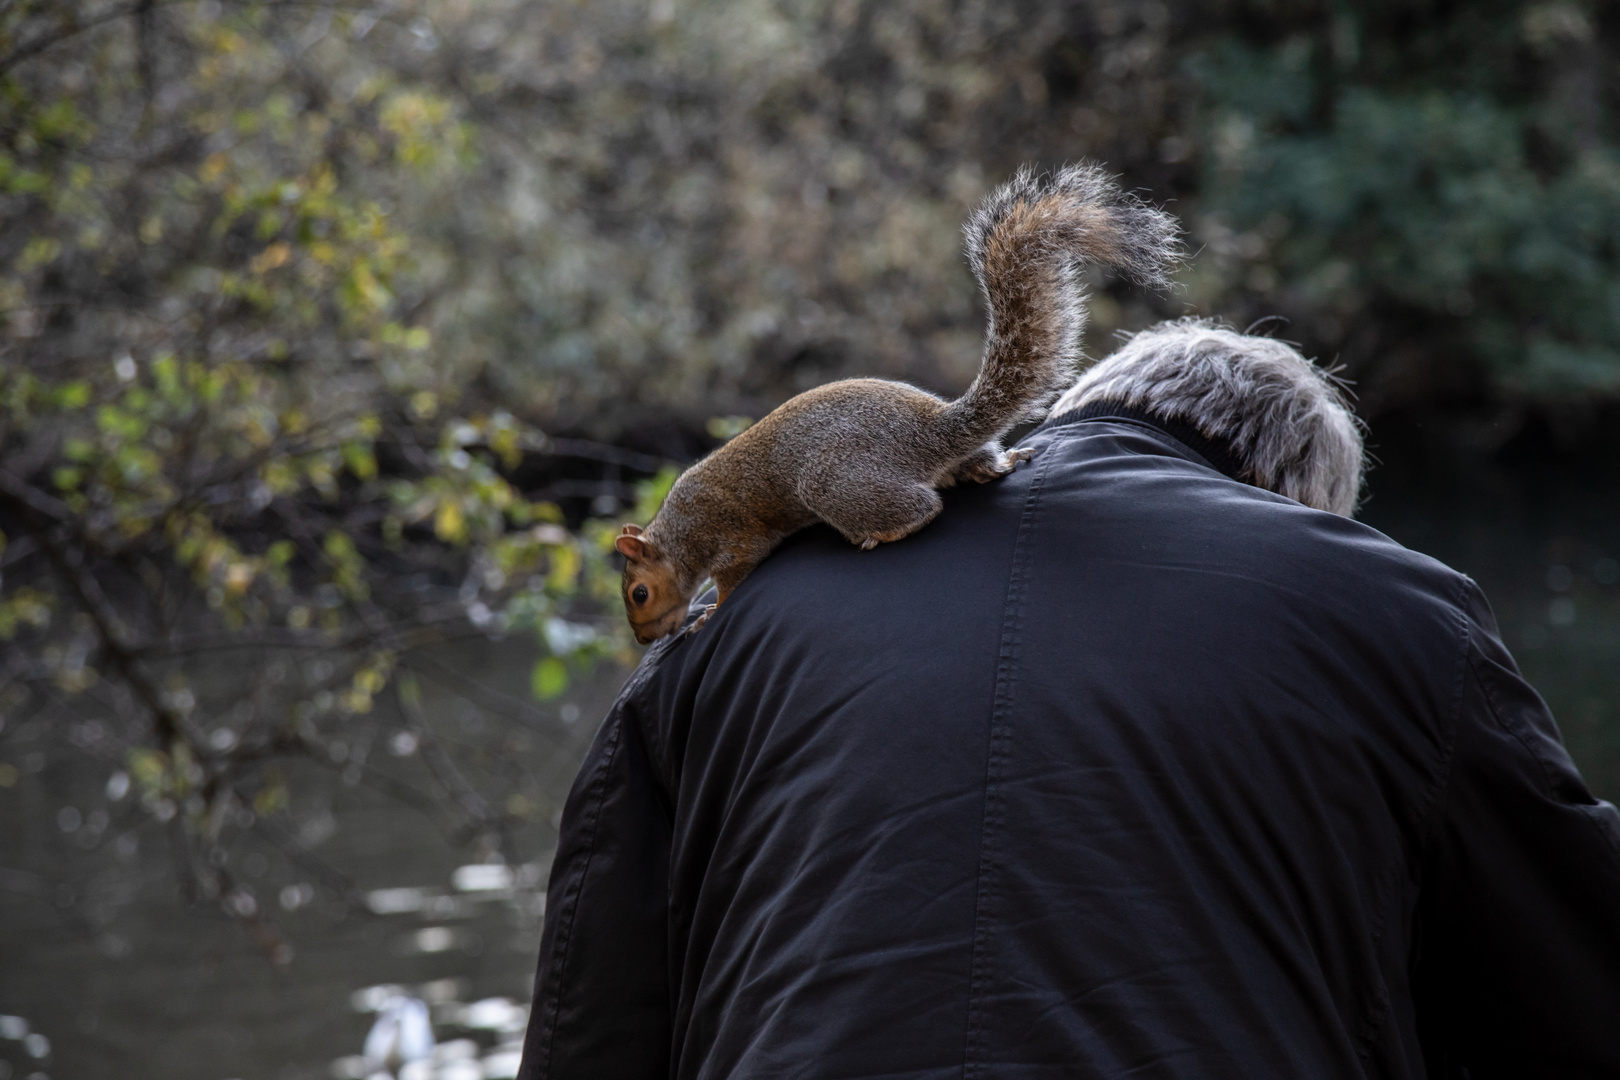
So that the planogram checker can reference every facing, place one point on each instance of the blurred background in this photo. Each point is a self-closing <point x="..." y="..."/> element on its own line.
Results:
<point x="339" y="336"/>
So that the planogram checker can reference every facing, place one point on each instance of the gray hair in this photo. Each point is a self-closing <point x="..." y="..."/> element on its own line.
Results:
<point x="1286" y="419"/>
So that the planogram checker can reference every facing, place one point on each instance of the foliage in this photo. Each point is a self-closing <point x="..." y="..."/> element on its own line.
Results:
<point x="1442" y="174"/>
<point x="703" y="206"/>
<point x="226" y="437"/>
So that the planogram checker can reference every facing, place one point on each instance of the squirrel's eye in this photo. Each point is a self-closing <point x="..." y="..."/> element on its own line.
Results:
<point x="639" y="594"/>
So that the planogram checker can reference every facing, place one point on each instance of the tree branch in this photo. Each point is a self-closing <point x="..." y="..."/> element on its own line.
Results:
<point x="73" y="29"/>
<point x="69" y="562"/>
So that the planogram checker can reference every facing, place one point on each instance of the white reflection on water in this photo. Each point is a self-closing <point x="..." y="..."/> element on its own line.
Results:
<point x="395" y="1053"/>
<point x="482" y="877"/>
<point x="395" y="901"/>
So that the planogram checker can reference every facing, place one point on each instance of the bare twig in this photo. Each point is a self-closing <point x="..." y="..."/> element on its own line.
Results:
<point x="595" y="451"/>
<point x="145" y="28"/>
<point x="474" y="805"/>
<point x="476" y="692"/>
<point x="277" y="837"/>
<point x="18" y="550"/>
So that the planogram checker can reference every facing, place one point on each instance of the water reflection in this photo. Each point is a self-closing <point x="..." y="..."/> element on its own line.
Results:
<point x="406" y="1040"/>
<point x="402" y="1042"/>
<point x="33" y="1050"/>
<point x="103" y="958"/>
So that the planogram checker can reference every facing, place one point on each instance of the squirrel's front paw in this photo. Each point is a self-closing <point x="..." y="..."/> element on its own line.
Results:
<point x="986" y="465"/>
<point x="697" y="623"/>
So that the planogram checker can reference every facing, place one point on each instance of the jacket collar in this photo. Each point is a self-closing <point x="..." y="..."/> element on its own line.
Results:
<point x="1216" y="450"/>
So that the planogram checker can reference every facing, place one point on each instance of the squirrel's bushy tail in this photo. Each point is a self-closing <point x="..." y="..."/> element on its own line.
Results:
<point x="1026" y="243"/>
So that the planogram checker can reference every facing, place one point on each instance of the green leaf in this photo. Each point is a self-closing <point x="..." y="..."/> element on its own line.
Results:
<point x="149" y="768"/>
<point x="360" y="459"/>
<point x="273" y="796"/>
<point x="650" y="493"/>
<point x="73" y="395"/>
<point x="726" y="428"/>
<point x="549" y="678"/>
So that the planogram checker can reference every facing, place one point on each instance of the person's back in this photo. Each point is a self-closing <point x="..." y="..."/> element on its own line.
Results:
<point x="1121" y="768"/>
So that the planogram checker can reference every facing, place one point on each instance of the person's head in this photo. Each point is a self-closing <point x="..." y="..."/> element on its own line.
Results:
<point x="1286" y="419"/>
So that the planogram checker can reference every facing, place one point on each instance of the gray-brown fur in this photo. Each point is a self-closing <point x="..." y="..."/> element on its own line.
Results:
<point x="868" y="456"/>
<point x="1025" y="243"/>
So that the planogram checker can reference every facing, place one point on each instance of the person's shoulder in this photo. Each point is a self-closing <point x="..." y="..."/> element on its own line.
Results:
<point x="1351" y="560"/>
<point x="1141" y="482"/>
<point x="1372" y="557"/>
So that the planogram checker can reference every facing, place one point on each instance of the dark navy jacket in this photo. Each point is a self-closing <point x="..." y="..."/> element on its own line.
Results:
<point x="1120" y="768"/>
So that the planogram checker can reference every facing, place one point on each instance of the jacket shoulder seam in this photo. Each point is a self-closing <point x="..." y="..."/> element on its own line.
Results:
<point x="1548" y="780"/>
<point x="1441" y="794"/>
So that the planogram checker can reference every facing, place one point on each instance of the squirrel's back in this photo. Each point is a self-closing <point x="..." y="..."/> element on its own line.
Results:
<point x="868" y="456"/>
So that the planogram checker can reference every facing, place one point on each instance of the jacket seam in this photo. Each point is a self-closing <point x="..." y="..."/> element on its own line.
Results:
<point x="639" y="704"/>
<point x="1374" y="1026"/>
<point x="1441" y="796"/>
<point x="576" y="885"/>
<point x="999" y="752"/>
<point x="639" y="685"/>
<point x="635" y="698"/>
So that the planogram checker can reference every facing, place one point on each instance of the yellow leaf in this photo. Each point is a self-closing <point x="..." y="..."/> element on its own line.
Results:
<point x="238" y="576"/>
<point x="424" y="403"/>
<point x="271" y="257"/>
<point x="565" y="567"/>
<point x="449" y="523"/>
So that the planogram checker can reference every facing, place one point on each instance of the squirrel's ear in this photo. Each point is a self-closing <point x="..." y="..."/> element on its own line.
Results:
<point x="631" y="547"/>
<point x="631" y="530"/>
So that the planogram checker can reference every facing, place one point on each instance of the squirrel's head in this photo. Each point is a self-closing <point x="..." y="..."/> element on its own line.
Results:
<point x="653" y="600"/>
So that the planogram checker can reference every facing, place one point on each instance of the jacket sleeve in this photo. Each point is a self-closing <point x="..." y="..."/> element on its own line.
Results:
<point x="601" y="1000"/>
<point x="1518" y="970"/>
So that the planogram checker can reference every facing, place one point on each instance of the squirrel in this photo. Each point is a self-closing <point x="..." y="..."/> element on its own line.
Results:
<point x="868" y="456"/>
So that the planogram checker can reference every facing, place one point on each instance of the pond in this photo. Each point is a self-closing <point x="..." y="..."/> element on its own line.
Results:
<point x="107" y="975"/>
<point x="121" y="978"/>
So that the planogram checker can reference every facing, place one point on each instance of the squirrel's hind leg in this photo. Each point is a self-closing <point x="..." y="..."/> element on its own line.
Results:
<point x="989" y="462"/>
<point x="884" y="514"/>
